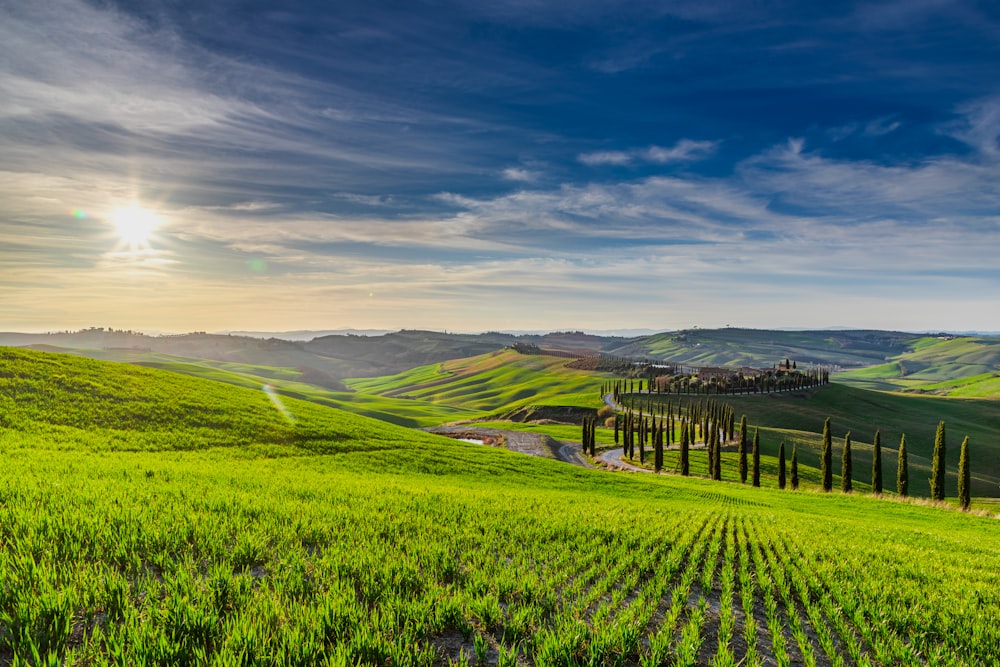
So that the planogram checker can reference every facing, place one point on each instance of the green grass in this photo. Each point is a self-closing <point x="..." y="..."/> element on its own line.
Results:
<point x="964" y="366"/>
<point x="290" y="382"/>
<point x="130" y="535"/>
<point x="762" y="348"/>
<point x="491" y="382"/>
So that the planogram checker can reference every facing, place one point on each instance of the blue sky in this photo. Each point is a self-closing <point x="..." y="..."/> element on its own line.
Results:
<point x="506" y="165"/>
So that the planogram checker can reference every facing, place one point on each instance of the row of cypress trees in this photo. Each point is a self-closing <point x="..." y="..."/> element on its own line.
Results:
<point x="937" y="478"/>
<point x="638" y="430"/>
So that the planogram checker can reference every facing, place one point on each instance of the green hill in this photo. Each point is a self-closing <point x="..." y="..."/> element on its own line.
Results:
<point x="499" y="381"/>
<point x="150" y="518"/>
<point x="964" y="366"/>
<point x="762" y="348"/>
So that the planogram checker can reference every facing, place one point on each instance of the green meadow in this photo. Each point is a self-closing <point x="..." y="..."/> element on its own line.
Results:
<point x="961" y="367"/>
<point x="153" y="518"/>
<point x="498" y="381"/>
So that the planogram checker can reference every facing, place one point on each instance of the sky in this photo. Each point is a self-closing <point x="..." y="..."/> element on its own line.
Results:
<point x="182" y="165"/>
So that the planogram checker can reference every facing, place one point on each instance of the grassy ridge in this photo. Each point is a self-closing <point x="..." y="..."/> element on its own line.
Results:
<point x="371" y="544"/>
<point x="289" y="382"/>
<point x="762" y="348"/>
<point x="65" y="401"/>
<point x="968" y="367"/>
<point x="491" y="382"/>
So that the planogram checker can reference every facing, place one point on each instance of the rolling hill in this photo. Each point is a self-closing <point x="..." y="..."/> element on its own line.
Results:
<point x="152" y="518"/>
<point x="962" y="366"/>
<point x="763" y="348"/>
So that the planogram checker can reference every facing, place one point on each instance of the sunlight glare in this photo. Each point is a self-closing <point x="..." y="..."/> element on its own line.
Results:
<point x="135" y="225"/>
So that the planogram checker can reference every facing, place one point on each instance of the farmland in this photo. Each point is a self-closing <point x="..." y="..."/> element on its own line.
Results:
<point x="174" y="520"/>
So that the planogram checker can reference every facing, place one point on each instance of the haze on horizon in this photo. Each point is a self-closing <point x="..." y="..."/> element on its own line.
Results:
<point x="511" y="165"/>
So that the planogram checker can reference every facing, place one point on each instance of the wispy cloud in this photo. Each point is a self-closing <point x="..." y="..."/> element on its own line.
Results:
<point x="337" y="155"/>
<point x="683" y="151"/>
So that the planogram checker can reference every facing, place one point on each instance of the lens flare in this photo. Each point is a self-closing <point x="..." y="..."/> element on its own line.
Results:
<point x="273" y="395"/>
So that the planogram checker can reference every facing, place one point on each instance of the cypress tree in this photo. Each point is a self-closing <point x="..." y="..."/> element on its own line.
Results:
<point x="963" y="476"/>
<point x="877" y="464"/>
<point x="794" y="468"/>
<point x="710" y="451"/>
<point x="781" y="465"/>
<point x="616" y="429"/>
<point x="827" y="462"/>
<point x="685" y="460"/>
<point x="743" y="449"/>
<point x="658" y="444"/>
<point x="937" y="465"/>
<point x="717" y="459"/>
<point x="846" y="466"/>
<point x="756" y="457"/>
<point x="902" y="470"/>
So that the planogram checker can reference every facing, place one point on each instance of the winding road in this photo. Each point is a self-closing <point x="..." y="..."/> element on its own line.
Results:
<point x="533" y="444"/>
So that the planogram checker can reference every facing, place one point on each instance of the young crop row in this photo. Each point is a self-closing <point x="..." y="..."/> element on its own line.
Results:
<point x="139" y="559"/>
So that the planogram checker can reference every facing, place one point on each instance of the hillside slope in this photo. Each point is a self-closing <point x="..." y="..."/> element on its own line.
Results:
<point x="151" y="518"/>
<point x="501" y="380"/>
<point x="962" y="366"/>
<point x="762" y="348"/>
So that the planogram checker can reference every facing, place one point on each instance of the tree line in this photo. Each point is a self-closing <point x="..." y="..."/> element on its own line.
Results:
<point x="655" y="426"/>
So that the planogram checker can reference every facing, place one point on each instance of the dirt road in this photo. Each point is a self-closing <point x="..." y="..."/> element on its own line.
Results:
<point x="533" y="444"/>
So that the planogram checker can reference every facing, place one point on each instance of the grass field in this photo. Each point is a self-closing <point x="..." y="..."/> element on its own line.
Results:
<point x="962" y="367"/>
<point x="763" y="348"/>
<point x="157" y="519"/>
<point x="501" y="380"/>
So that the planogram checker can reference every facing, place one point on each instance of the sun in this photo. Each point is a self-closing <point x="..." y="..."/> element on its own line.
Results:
<point x="135" y="225"/>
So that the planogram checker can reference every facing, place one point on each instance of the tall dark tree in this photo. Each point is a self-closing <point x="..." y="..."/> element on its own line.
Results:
<point x="685" y="451"/>
<point x="938" y="465"/>
<point x="846" y="466"/>
<point x="793" y="469"/>
<point x="743" y="449"/>
<point x="781" y="465"/>
<point x="902" y="470"/>
<point x="658" y="445"/>
<point x="717" y="459"/>
<point x="756" y="457"/>
<point x="877" y="463"/>
<point x="642" y="440"/>
<point x="827" y="458"/>
<point x="616" y="429"/>
<point x="710" y="453"/>
<point x="964" y="477"/>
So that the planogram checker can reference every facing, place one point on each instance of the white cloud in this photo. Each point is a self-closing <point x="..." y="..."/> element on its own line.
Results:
<point x="605" y="157"/>
<point x="684" y="150"/>
<point x="520" y="174"/>
<point x="881" y="126"/>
